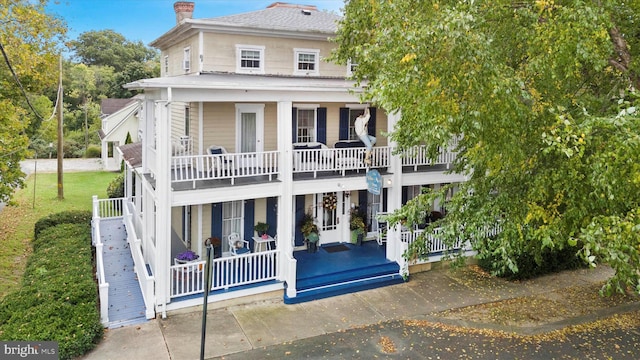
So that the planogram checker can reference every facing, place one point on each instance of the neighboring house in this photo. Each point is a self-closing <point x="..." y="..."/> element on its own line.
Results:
<point x="248" y="124"/>
<point x="119" y="118"/>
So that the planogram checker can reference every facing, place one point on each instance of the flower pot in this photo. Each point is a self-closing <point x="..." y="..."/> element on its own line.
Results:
<point x="357" y="237"/>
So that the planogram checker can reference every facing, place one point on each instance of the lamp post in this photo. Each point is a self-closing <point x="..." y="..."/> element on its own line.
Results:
<point x="207" y="287"/>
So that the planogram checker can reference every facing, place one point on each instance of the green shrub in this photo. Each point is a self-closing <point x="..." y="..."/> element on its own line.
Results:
<point x="552" y="261"/>
<point x="116" y="187"/>
<point x="58" y="297"/>
<point x="93" y="151"/>
<point x="64" y="217"/>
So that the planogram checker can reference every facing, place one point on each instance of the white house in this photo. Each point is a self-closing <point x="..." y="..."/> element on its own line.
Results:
<point x="249" y="124"/>
<point x="119" y="120"/>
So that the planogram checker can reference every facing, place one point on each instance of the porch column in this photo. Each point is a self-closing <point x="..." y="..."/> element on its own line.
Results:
<point x="287" y="265"/>
<point x="163" y="204"/>
<point x="394" y="194"/>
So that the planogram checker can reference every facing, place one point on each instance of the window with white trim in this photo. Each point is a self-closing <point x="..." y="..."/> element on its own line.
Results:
<point x="351" y="67"/>
<point x="250" y="59"/>
<point x="186" y="59"/>
<point x="232" y="220"/>
<point x="166" y="64"/>
<point x="306" y="61"/>
<point x="353" y="114"/>
<point x="306" y="125"/>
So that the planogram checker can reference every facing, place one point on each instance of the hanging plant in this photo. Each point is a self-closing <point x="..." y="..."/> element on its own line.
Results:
<point x="330" y="202"/>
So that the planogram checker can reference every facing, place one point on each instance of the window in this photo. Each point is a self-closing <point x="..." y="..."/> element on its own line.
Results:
<point x="353" y="114"/>
<point x="166" y="64"/>
<point x="186" y="60"/>
<point x="232" y="220"/>
<point x="374" y="206"/>
<point x="306" y="61"/>
<point x="351" y="67"/>
<point x="250" y="59"/>
<point x="306" y="125"/>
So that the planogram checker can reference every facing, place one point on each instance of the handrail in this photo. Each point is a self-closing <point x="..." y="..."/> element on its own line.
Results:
<point x="103" y="285"/>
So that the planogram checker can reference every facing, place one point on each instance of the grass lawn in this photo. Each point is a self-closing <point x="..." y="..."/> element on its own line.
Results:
<point x="16" y="222"/>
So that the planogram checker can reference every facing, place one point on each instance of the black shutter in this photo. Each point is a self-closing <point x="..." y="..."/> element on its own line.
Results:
<point x="249" y="221"/>
<point x="272" y="215"/>
<point x="299" y="238"/>
<point x="294" y="118"/>
<point x="216" y="221"/>
<point x="371" y="126"/>
<point x="343" y="133"/>
<point x="322" y="126"/>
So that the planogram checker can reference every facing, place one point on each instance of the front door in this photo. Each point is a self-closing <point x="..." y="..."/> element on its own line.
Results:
<point x="328" y="219"/>
<point x="250" y="134"/>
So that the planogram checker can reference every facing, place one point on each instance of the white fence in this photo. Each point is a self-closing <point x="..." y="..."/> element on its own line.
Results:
<point x="224" y="166"/>
<point x="226" y="272"/>
<point x="417" y="156"/>
<point x="145" y="279"/>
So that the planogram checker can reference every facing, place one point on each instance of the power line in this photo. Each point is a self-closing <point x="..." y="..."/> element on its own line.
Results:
<point x="15" y="76"/>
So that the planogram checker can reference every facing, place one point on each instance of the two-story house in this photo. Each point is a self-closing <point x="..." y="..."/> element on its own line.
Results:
<point x="248" y="123"/>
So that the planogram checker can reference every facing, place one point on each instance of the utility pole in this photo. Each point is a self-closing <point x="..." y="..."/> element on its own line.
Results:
<point x="60" y="134"/>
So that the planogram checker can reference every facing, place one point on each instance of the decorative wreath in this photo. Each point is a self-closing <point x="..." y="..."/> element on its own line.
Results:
<point x="330" y="202"/>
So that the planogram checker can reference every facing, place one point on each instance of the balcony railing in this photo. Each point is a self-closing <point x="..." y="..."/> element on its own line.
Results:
<point x="227" y="272"/>
<point x="231" y="166"/>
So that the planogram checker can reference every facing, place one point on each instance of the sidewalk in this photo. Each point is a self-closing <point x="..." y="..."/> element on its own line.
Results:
<point x="241" y="328"/>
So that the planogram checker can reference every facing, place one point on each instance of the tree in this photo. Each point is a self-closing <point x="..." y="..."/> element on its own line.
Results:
<point x="109" y="48"/>
<point x="29" y="40"/>
<point x="539" y="98"/>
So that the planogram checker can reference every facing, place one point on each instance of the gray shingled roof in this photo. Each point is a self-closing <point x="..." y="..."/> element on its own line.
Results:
<point x="283" y="18"/>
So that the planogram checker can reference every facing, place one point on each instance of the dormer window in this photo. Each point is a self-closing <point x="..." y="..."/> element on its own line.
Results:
<point x="250" y="59"/>
<point x="306" y="61"/>
<point x="351" y="67"/>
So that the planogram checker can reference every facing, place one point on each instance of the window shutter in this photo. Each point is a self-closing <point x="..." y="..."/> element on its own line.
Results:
<point x="299" y="239"/>
<point x="249" y="216"/>
<point x="272" y="215"/>
<point x="362" y="200"/>
<point x="371" y="126"/>
<point x="343" y="133"/>
<point x="384" y="199"/>
<point x="294" y="118"/>
<point x="322" y="126"/>
<point x="216" y="221"/>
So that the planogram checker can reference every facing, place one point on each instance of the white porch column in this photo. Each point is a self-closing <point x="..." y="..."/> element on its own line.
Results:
<point x="163" y="204"/>
<point x="394" y="194"/>
<point x="287" y="264"/>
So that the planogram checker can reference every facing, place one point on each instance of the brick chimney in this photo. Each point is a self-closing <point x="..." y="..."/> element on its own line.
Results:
<point x="184" y="10"/>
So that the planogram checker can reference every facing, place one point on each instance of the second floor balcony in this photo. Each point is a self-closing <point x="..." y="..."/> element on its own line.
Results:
<point x="228" y="169"/>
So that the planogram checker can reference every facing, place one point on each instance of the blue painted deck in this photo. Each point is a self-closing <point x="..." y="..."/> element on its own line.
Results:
<point x="323" y="274"/>
<point x="126" y="304"/>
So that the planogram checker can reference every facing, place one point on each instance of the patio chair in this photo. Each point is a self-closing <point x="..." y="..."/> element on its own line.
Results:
<point x="238" y="246"/>
<point x="220" y="165"/>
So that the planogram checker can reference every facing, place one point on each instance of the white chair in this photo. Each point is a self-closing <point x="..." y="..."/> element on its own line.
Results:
<point x="220" y="165"/>
<point x="238" y="246"/>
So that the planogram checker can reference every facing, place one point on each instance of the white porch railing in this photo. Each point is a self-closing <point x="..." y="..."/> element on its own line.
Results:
<point x="417" y="156"/>
<point x="145" y="280"/>
<point x="103" y="285"/>
<point x="224" y="166"/>
<point x="227" y="272"/>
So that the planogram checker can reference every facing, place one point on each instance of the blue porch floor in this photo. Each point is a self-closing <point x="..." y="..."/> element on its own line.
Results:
<point x="323" y="274"/>
<point x="126" y="304"/>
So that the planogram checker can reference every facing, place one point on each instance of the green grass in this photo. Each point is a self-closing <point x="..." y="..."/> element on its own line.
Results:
<point x="16" y="222"/>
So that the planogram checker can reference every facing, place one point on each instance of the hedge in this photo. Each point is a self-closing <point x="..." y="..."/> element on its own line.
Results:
<point x="58" y="299"/>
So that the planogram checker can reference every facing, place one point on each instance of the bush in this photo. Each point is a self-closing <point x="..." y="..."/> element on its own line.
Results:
<point x="116" y="187"/>
<point x="65" y="217"/>
<point x="58" y="297"/>
<point x="93" y="151"/>
<point x="552" y="261"/>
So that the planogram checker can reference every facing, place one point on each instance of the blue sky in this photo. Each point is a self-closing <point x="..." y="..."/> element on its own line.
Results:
<point x="147" y="20"/>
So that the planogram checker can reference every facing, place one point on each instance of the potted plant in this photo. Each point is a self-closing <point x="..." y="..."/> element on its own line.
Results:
<point x="357" y="227"/>
<point x="185" y="257"/>
<point x="310" y="231"/>
<point x="261" y="228"/>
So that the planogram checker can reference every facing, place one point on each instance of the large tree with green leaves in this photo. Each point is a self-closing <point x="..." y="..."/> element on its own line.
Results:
<point x="29" y="65"/>
<point x="540" y="97"/>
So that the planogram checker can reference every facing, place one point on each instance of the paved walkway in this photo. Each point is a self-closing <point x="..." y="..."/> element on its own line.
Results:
<point x="254" y="326"/>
